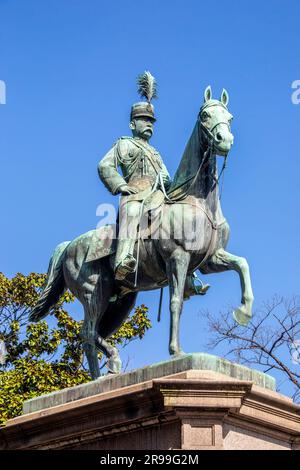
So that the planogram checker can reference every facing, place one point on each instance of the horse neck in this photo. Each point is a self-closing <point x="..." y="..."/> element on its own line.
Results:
<point x="206" y="186"/>
<point x="197" y="154"/>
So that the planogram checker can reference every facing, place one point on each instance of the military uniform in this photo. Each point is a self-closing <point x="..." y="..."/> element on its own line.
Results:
<point x="140" y="164"/>
<point x="138" y="161"/>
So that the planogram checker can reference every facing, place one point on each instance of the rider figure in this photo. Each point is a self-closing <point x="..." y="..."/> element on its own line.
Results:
<point x="140" y="164"/>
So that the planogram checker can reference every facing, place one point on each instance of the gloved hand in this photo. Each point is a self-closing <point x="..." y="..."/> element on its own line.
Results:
<point x="126" y="190"/>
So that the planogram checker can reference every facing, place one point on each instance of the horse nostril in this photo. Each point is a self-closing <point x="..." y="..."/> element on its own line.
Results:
<point x="219" y="137"/>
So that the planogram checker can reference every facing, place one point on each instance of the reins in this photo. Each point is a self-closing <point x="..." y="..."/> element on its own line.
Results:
<point x="172" y="200"/>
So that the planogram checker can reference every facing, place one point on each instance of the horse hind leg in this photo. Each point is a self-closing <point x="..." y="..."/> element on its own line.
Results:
<point x="111" y="320"/>
<point x="94" y="300"/>
<point x="89" y="345"/>
<point x="114" y="363"/>
<point x="93" y="342"/>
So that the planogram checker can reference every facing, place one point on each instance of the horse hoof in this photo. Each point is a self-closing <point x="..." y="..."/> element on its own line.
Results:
<point x="114" y="365"/>
<point x="241" y="315"/>
<point x="178" y="353"/>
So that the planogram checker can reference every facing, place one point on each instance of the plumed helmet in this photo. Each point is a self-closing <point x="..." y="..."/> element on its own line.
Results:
<point x="146" y="89"/>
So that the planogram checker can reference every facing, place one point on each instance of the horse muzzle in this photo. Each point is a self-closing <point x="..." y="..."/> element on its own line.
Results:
<point x="223" y="141"/>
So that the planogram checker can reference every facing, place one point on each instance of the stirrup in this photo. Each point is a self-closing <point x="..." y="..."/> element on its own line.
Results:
<point x="196" y="287"/>
<point x="201" y="288"/>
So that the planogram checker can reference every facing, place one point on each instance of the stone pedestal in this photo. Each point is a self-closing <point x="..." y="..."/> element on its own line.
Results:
<point x="195" y="402"/>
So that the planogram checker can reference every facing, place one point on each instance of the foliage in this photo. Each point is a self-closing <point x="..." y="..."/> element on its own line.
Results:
<point x="40" y="359"/>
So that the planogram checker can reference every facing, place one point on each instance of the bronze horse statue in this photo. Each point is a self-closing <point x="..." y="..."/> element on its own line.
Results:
<point x="192" y="201"/>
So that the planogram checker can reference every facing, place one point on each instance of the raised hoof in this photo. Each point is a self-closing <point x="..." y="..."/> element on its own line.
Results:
<point x="114" y="365"/>
<point x="241" y="315"/>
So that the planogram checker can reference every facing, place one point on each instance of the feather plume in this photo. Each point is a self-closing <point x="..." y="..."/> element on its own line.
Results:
<point x="147" y="86"/>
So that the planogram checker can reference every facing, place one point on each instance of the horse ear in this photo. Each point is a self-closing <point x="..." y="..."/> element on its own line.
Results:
<point x="224" y="97"/>
<point x="207" y="94"/>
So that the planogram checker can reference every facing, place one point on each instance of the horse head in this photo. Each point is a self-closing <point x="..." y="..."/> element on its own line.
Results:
<point x="211" y="136"/>
<point x="215" y="121"/>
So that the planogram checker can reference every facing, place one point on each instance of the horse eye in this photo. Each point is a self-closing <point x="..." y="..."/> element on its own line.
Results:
<point x="205" y="115"/>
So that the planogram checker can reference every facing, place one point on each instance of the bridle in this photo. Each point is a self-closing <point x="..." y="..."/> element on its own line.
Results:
<point x="211" y="146"/>
<point x="209" y="132"/>
<point x="211" y="140"/>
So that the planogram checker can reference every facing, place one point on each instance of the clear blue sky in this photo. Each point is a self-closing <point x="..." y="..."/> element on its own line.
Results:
<point x="70" y="68"/>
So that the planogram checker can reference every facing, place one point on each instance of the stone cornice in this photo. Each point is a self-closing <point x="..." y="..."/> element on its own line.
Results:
<point x="194" y="406"/>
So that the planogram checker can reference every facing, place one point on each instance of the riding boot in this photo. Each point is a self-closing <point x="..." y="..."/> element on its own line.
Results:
<point x="125" y="263"/>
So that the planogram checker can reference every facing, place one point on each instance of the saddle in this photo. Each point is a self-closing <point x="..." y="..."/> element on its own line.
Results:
<point x="103" y="240"/>
<point x="150" y="202"/>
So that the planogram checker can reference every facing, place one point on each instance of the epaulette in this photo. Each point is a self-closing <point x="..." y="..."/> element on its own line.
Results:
<point x="124" y="137"/>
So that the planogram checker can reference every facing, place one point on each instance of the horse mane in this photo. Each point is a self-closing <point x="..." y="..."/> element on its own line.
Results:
<point x="190" y="161"/>
<point x="184" y="182"/>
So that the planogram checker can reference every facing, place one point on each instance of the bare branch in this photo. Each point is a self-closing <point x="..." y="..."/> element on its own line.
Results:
<point x="265" y="341"/>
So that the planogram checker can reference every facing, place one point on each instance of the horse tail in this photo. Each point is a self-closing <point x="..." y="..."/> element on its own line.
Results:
<point x="54" y="287"/>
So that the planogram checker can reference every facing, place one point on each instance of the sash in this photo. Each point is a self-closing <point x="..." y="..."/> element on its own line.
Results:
<point x="156" y="165"/>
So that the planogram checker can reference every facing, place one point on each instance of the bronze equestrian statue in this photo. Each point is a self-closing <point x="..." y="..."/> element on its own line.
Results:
<point x="176" y="227"/>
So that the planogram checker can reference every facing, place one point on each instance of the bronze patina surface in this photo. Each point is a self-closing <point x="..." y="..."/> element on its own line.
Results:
<point x="191" y="233"/>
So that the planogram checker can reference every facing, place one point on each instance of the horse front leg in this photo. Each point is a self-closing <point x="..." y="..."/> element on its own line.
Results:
<point x="177" y="267"/>
<point x="220" y="261"/>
